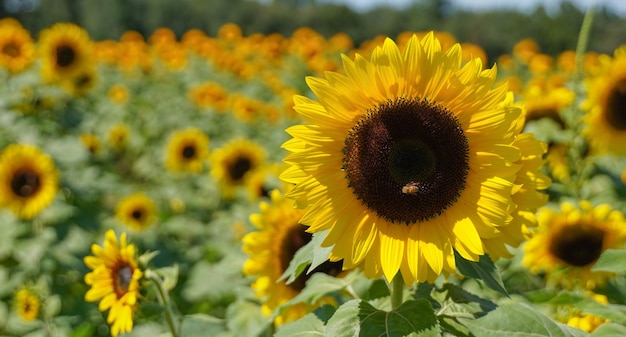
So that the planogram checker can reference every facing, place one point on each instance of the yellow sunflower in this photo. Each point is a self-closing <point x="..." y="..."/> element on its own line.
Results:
<point x="118" y="94"/>
<point x="584" y="321"/>
<point x="232" y="164"/>
<point x="411" y="156"/>
<point x="65" y="49"/>
<point x="606" y="101"/>
<point x="28" y="180"/>
<point x="136" y="211"/>
<point x="27" y="304"/>
<point x="17" y="49"/>
<point x="567" y="243"/>
<point x="118" y="136"/>
<point x="114" y="281"/>
<point x="271" y="248"/>
<point x="209" y="95"/>
<point x="187" y="151"/>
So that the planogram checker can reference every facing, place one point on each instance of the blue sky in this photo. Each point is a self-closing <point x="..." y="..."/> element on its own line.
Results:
<point x="618" y="5"/>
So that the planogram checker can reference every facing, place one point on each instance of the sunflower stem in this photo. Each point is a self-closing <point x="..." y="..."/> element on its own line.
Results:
<point x="583" y="40"/>
<point x="164" y="299"/>
<point x="396" y="289"/>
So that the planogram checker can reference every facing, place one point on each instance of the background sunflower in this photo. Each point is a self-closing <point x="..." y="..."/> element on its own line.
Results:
<point x="28" y="180"/>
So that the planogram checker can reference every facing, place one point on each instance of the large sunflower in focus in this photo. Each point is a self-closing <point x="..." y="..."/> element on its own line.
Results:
<point x="187" y="151"/>
<point x="17" y="49"/>
<point x="568" y="243"/>
<point x="270" y="250"/>
<point x="606" y="104"/>
<point x="65" y="49"/>
<point x="410" y="156"/>
<point x="28" y="180"/>
<point x="114" y="281"/>
<point x="232" y="164"/>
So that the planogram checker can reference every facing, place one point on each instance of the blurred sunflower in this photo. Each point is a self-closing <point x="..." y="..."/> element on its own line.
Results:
<point x="411" y="156"/>
<point x="606" y="101"/>
<point x="114" y="281"/>
<point x="28" y="180"/>
<point x="136" y="211"/>
<point x="232" y="163"/>
<point x="65" y="50"/>
<point x="567" y="244"/>
<point x="118" y="137"/>
<point x="209" y="95"/>
<point x="587" y="322"/>
<point x="17" y="49"/>
<point x="118" y="94"/>
<point x="27" y="304"/>
<point x="271" y="248"/>
<point x="187" y="151"/>
<point x="91" y="143"/>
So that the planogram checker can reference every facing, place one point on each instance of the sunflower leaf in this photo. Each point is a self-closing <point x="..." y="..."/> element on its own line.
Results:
<point x="609" y="329"/>
<point x="520" y="320"/>
<point x="359" y="318"/>
<point x="611" y="260"/>
<point x="298" y="264"/>
<point x="484" y="270"/>
<point x="307" y="326"/>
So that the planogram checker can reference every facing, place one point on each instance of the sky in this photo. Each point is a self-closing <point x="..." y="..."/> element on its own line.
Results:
<point x="618" y="5"/>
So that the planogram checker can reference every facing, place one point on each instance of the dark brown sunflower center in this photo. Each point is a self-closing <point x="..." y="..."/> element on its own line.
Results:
<point x="65" y="56"/>
<point x="616" y="106"/>
<point x="295" y="239"/>
<point x="137" y="214"/>
<point x="578" y="246"/>
<point x="407" y="160"/>
<point x="239" y="168"/>
<point x="25" y="183"/>
<point x="189" y="151"/>
<point x="122" y="276"/>
<point x="11" y="49"/>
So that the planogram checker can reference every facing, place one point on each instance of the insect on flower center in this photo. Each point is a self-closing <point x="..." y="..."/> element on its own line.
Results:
<point x="122" y="276"/>
<point x="189" y="152"/>
<point x="65" y="56"/>
<point x="25" y="183"/>
<point x="578" y="246"/>
<point x="616" y="106"/>
<point x="407" y="160"/>
<point x="239" y="168"/>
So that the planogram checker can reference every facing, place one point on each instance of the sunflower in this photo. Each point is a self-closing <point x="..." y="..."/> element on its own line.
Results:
<point x="114" y="280"/>
<point x="136" y="211"/>
<point x="584" y="321"/>
<point x="65" y="49"/>
<point x="187" y="151"/>
<point x="17" y="49"/>
<point x="234" y="162"/>
<point x="118" y="137"/>
<point x="28" y="180"/>
<point x="118" y="94"/>
<point x="606" y="101"/>
<point x="271" y="248"/>
<point x="567" y="244"/>
<point x="27" y="304"/>
<point x="209" y="95"/>
<point x="411" y="156"/>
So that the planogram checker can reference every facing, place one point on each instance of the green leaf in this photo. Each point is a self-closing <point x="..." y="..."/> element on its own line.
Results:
<point x="170" y="276"/>
<point x="83" y="330"/>
<point x="146" y="257"/>
<point x="519" y="320"/>
<point x="307" y="326"/>
<point x="359" y="318"/>
<point x="484" y="270"/>
<point x="325" y="312"/>
<point x="201" y="325"/>
<point x="609" y="330"/>
<point x="310" y="255"/>
<point x="611" y="260"/>
<point x="244" y="318"/>
<point x="459" y="302"/>
<point x="318" y="286"/>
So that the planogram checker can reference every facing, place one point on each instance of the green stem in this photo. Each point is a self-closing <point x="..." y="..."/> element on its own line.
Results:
<point x="164" y="300"/>
<point x="396" y="289"/>
<point x="581" y="45"/>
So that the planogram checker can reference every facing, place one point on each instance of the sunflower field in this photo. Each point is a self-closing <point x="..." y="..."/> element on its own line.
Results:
<point x="269" y="185"/>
